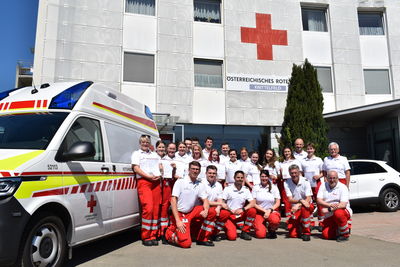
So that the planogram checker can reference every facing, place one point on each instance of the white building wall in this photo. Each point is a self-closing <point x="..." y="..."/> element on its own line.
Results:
<point x="85" y="40"/>
<point x="82" y="41"/>
<point x="393" y="31"/>
<point x="175" y="59"/>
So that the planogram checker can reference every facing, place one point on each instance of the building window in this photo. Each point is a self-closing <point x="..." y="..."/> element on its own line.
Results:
<point x="138" y="68"/>
<point x="207" y="73"/>
<point x="207" y="10"/>
<point x="325" y="78"/>
<point x="376" y="81"/>
<point x="144" y="7"/>
<point x="370" y="23"/>
<point x="314" y="20"/>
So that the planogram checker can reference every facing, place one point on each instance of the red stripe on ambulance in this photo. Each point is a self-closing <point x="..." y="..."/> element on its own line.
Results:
<point x="110" y="185"/>
<point x="129" y="116"/>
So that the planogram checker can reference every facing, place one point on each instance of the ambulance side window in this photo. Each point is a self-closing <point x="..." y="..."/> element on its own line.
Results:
<point x="89" y="130"/>
<point x="122" y="143"/>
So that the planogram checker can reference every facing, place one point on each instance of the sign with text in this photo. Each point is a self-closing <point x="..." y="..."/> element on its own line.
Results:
<point x="244" y="82"/>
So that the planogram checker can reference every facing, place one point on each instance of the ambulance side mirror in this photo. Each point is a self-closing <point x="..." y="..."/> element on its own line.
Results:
<point x="79" y="150"/>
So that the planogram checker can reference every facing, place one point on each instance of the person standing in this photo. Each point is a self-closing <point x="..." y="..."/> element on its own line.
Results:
<point x="148" y="174"/>
<point x="215" y="161"/>
<point x="198" y="156"/>
<point x="312" y="171"/>
<point x="333" y="197"/>
<point x="224" y="157"/>
<point x="244" y="155"/>
<point x="167" y="185"/>
<point x="208" y="143"/>
<point x="195" y="141"/>
<point x="298" y="191"/>
<point x="231" y="167"/>
<point x="268" y="200"/>
<point x="299" y="153"/>
<point x="160" y="148"/>
<point x="252" y="171"/>
<point x="188" y="143"/>
<point x="337" y="163"/>
<point x="183" y="158"/>
<point x="233" y="200"/>
<point x="272" y="165"/>
<point x="184" y="211"/>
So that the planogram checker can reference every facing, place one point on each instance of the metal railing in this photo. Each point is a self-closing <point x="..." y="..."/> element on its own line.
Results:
<point x="25" y="67"/>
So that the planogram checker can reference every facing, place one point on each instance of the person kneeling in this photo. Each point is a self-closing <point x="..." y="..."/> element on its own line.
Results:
<point x="299" y="193"/>
<point x="334" y="198"/>
<point x="233" y="200"/>
<point x="184" y="195"/>
<point x="268" y="200"/>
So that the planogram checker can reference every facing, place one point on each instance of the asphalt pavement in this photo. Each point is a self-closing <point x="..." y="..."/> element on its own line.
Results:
<point x="374" y="241"/>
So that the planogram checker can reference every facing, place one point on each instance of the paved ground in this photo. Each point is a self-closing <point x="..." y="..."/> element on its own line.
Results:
<point x="372" y="223"/>
<point x="363" y="248"/>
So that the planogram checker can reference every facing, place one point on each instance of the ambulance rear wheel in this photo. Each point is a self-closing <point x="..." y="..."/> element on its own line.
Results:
<point x="44" y="242"/>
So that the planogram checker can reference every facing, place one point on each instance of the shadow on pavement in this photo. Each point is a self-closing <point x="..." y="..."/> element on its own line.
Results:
<point x="90" y="251"/>
<point x="366" y="209"/>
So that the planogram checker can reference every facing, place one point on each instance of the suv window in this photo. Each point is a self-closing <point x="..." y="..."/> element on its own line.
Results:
<point x="365" y="168"/>
<point x="85" y="129"/>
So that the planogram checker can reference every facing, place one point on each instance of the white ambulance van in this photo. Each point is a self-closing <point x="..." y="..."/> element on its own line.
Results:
<point x="65" y="171"/>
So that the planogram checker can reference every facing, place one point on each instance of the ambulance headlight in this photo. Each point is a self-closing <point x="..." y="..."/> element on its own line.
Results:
<point x="9" y="186"/>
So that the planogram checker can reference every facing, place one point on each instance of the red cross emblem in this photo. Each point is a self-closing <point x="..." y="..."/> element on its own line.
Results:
<point x="264" y="36"/>
<point x="91" y="203"/>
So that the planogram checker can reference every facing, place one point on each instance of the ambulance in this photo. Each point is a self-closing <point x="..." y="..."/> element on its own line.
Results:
<point x="65" y="168"/>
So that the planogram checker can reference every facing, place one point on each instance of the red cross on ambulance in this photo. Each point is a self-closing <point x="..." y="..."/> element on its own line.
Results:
<point x="91" y="203"/>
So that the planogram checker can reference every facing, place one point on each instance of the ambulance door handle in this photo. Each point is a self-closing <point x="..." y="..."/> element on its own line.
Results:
<point x="114" y="168"/>
<point x="105" y="169"/>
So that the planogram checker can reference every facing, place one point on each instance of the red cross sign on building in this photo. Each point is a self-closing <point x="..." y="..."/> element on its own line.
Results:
<point x="264" y="36"/>
<point x="91" y="203"/>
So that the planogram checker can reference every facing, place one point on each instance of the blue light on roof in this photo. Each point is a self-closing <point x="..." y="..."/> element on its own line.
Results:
<point x="7" y="93"/>
<point x="148" y="112"/>
<point x="68" y="98"/>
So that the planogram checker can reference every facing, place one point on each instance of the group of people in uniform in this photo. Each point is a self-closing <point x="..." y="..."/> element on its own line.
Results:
<point x="187" y="192"/>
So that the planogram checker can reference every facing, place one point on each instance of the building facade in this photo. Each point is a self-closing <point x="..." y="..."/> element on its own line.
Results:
<point x="223" y="66"/>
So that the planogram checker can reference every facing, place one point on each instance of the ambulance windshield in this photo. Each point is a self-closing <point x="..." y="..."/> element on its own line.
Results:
<point x="29" y="131"/>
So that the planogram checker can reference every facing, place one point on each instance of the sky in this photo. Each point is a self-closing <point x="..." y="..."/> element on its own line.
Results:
<point x="18" y="30"/>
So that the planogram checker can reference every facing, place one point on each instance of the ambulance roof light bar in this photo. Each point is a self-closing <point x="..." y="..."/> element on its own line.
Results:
<point x="7" y="93"/>
<point x="68" y="98"/>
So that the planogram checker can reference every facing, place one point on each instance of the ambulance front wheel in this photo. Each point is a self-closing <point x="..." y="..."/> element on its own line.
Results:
<point x="44" y="242"/>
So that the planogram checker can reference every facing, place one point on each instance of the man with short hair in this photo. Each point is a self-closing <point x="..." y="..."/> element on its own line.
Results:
<point x="188" y="143"/>
<point x="298" y="191"/>
<point x="337" y="163"/>
<point x="195" y="141"/>
<point x="208" y="143"/>
<point x="224" y="157"/>
<point x="312" y="171"/>
<point x="333" y="197"/>
<point x="184" y="196"/>
<point x="299" y="153"/>
<point x="233" y="201"/>
<point x="213" y="191"/>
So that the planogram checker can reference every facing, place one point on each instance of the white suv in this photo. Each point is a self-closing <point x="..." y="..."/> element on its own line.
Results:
<point x="374" y="182"/>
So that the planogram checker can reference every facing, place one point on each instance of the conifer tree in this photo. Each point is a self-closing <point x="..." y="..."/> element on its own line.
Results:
<point x="303" y="113"/>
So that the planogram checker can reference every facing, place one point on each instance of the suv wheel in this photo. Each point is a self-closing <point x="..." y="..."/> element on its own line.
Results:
<point x="389" y="200"/>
